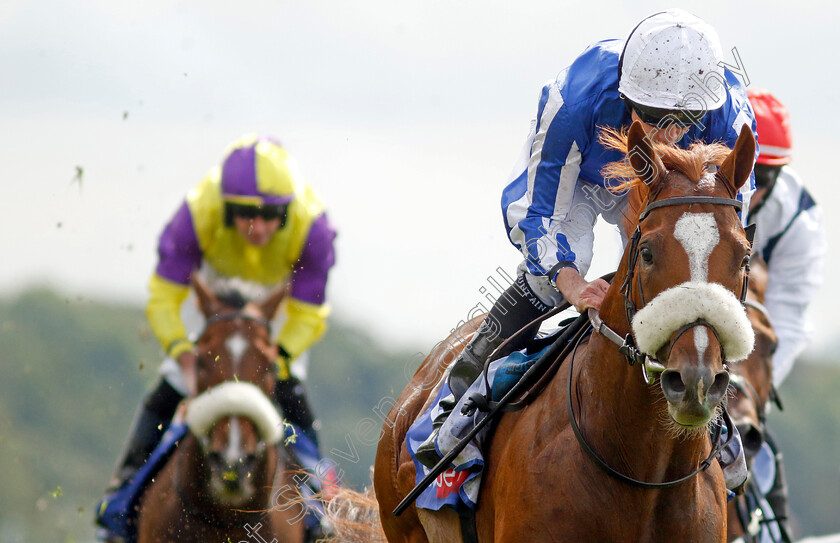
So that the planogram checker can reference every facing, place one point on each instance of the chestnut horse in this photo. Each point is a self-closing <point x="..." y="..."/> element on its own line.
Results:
<point x="225" y="481"/>
<point x="752" y="390"/>
<point x="676" y="291"/>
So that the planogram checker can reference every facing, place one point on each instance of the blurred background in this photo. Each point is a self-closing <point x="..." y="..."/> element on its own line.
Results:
<point x="406" y="117"/>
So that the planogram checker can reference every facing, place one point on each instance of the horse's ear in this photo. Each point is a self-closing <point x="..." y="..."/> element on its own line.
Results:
<point x="269" y="306"/>
<point x="737" y="167"/>
<point x="642" y="155"/>
<point x="207" y="300"/>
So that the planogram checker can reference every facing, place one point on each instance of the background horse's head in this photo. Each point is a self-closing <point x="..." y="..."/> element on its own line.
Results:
<point x="752" y="387"/>
<point x="233" y="417"/>
<point x="685" y="265"/>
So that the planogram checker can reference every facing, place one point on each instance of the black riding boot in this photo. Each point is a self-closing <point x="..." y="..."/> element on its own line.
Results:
<point x="148" y="427"/>
<point x="778" y="495"/>
<point x="517" y="307"/>
<point x="290" y="397"/>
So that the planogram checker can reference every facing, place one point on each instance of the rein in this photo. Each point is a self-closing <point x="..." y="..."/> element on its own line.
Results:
<point x="716" y="439"/>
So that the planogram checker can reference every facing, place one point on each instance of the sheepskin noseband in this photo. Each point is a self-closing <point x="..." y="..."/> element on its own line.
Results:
<point x="233" y="399"/>
<point x="654" y="324"/>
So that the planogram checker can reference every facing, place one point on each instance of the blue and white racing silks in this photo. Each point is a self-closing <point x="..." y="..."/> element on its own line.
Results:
<point x="556" y="191"/>
<point x="791" y="239"/>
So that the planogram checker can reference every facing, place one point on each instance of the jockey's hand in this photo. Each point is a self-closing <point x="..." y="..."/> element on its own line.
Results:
<point x="579" y="292"/>
<point x="284" y="363"/>
<point x="187" y="361"/>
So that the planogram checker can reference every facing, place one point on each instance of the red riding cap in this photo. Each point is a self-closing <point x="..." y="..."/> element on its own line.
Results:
<point x="775" y="137"/>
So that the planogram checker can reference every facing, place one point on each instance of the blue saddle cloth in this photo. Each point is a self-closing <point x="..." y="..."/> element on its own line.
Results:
<point x="117" y="512"/>
<point x="461" y="483"/>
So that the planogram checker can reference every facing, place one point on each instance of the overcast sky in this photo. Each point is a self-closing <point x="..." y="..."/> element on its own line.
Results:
<point x="405" y="116"/>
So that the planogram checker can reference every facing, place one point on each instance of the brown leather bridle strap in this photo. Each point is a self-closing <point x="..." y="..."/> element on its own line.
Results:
<point x="685" y="200"/>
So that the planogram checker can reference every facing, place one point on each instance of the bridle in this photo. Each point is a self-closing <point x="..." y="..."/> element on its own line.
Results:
<point x="626" y="344"/>
<point x="232" y="316"/>
<point x="650" y="366"/>
<point x="191" y="507"/>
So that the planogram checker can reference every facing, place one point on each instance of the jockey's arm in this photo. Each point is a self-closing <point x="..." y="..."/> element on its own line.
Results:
<point x="307" y="310"/>
<point x="179" y="254"/>
<point x="795" y="275"/>
<point x="578" y="291"/>
<point x="163" y="312"/>
<point x="549" y="210"/>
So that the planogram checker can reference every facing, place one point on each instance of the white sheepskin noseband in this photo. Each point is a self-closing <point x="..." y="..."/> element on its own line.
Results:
<point x="233" y="399"/>
<point x="654" y="324"/>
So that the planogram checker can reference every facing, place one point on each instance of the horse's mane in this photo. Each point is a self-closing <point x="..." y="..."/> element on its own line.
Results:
<point x="619" y="176"/>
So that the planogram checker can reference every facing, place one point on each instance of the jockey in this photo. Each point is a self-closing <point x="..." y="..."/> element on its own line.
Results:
<point x="669" y="75"/>
<point x="791" y="240"/>
<point x="252" y="223"/>
<point x="789" y="235"/>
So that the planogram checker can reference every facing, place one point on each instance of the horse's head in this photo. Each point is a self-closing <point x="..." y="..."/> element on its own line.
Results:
<point x="684" y="267"/>
<point x="233" y="416"/>
<point x="236" y="341"/>
<point x="752" y="386"/>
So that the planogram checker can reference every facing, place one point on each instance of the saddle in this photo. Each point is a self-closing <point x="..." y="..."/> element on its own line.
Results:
<point x="544" y="354"/>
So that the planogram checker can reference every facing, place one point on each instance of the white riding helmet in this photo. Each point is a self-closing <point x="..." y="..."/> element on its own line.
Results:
<point x="672" y="60"/>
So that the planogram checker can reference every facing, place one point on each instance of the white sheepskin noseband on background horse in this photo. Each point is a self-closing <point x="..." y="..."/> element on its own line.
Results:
<point x="655" y="323"/>
<point x="232" y="399"/>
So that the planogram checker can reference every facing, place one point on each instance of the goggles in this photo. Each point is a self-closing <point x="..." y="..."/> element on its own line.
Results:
<point x="765" y="176"/>
<point x="661" y="118"/>
<point x="251" y="212"/>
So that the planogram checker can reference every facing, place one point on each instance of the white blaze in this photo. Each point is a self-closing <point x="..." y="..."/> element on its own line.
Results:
<point x="234" y="450"/>
<point x="236" y="346"/>
<point x="698" y="234"/>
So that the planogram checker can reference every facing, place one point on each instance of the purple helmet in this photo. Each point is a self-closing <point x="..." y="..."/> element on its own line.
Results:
<point x="258" y="171"/>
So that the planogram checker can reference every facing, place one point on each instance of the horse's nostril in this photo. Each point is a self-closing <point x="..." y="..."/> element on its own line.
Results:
<point x="672" y="381"/>
<point x="215" y="458"/>
<point x="719" y="386"/>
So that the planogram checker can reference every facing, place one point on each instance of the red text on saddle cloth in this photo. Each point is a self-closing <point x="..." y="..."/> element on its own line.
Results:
<point x="449" y="481"/>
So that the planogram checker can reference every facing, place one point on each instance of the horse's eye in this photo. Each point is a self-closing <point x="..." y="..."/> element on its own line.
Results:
<point x="646" y="254"/>
<point x="746" y="261"/>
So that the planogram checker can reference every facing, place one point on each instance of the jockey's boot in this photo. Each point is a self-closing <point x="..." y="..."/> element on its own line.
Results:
<point x="289" y="397"/>
<point x="465" y="369"/>
<point x="732" y="460"/>
<point x="778" y="495"/>
<point x="148" y="427"/>
<point x="515" y="309"/>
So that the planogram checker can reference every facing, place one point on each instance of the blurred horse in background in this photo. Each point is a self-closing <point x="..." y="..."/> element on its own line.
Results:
<point x="751" y="391"/>
<point x="226" y="481"/>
